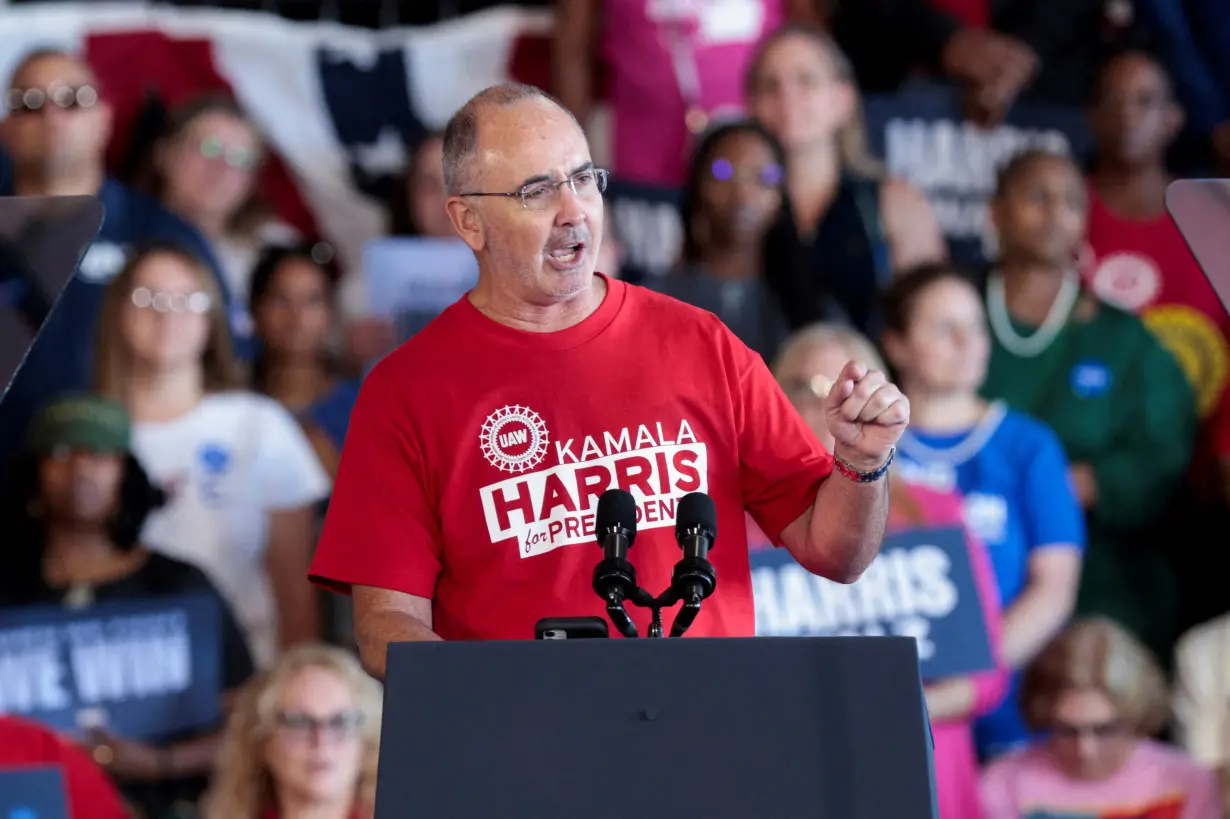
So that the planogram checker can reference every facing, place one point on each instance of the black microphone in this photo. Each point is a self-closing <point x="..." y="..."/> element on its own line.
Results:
<point x="615" y="523"/>
<point x="614" y="576"/>
<point x="694" y="578"/>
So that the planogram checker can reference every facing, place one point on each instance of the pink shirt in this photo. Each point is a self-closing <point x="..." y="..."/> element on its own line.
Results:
<point x="956" y="761"/>
<point x="716" y="37"/>
<point x="1158" y="782"/>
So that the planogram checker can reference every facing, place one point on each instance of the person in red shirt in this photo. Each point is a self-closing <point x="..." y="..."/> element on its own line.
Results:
<point x="464" y="501"/>
<point x="1140" y="260"/>
<point x="88" y="792"/>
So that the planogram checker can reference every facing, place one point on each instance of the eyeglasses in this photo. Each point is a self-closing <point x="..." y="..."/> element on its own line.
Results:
<point x="243" y="159"/>
<point x="34" y="100"/>
<point x="815" y="388"/>
<point x="542" y="195"/>
<point x="335" y="727"/>
<point x="1100" y="730"/>
<point x="162" y="301"/>
<point x="769" y="176"/>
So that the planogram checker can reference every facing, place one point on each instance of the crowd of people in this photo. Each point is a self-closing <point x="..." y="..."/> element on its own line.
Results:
<point x="177" y="427"/>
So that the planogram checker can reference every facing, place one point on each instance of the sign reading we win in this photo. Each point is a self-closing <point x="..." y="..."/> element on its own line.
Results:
<point x="143" y="670"/>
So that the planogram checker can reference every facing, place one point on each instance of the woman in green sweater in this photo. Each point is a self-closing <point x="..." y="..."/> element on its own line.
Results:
<point x="1117" y="399"/>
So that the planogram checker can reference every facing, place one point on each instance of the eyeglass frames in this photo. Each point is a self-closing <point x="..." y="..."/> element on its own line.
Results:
<point x="161" y="301"/>
<point x="541" y="195"/>
<point x="67" y="97"/>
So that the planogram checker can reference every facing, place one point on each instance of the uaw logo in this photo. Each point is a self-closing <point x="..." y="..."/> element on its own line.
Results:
<point x="514" y="439"/>
<point x="543" y="509"/>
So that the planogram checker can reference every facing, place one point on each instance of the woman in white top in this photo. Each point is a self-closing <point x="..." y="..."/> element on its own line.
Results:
<point x="241" y="475"/>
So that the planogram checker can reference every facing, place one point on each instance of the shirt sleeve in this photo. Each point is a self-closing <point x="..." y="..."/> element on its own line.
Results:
<point x="289" y="474"/>
<point x="996" y="792"/>
<point x="1053" y="516"/>
<point x="1200" y="706"/>
<point x="382" y="528"/>
<point x="781" y="463"/>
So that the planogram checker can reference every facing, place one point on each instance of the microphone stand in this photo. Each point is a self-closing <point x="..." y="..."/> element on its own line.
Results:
<point x="691" y="575"/>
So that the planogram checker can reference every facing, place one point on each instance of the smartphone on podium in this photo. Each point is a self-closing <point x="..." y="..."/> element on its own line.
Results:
<point x="570" y="628"/>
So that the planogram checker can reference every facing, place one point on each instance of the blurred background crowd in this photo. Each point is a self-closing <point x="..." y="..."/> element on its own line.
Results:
<point x="968" y="193"/>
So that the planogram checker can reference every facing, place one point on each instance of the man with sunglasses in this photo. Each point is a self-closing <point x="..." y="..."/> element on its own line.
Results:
<point x="53" y="137"/>
<point x="464" y="505"/>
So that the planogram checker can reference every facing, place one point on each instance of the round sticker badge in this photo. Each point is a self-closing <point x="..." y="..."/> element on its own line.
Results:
<point x="1127" y="280"/>
<point x="1201" y="349"/>
<point x="1090" y="378"/>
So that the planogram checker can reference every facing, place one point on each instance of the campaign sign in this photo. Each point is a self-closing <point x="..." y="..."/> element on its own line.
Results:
<point x="32" y="793"/>
<point x="142" y="670"/>
<point x="921" y="585"/>
<point x="923" y="137"/>
<point x="411" y="280"/>
<point x="647" y="223"/>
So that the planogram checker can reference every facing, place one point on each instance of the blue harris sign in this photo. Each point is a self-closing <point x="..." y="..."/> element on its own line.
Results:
<point x="921" y="585"/>
<point x="143" y="670"/>
<point x="32" y="793"/>
<point x="923" y="137"/>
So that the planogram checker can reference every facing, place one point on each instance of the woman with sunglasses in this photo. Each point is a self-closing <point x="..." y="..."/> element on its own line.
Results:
<point x="242" y="477"/>
<point x="849" y="227"/>
<point x="302" y="742"/>
<point x="206" y="169"/>
<point x="734" y="192"/>
<point x="1098" y="695"/>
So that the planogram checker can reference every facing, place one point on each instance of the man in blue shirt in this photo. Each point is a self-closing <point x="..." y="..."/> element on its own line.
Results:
<point x="55" y="132"/>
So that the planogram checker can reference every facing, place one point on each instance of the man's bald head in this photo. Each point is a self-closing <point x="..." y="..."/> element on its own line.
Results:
<point x="461" y="133"/>
<point x="33" y="59"/>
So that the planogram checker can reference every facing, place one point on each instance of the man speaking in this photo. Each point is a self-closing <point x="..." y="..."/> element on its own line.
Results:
<point x="464" y="503"/>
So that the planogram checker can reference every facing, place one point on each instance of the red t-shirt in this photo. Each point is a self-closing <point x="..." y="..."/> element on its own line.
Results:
<point x="1145" y="267"/>
<point x="477" y="452"/>
<point x="90" y="795"/>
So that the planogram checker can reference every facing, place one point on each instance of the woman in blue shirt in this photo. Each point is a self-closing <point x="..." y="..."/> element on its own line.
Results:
<point x="1011" y="469"/>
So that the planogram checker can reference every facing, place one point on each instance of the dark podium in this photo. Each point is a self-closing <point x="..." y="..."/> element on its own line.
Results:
<point x="762" y="728"/>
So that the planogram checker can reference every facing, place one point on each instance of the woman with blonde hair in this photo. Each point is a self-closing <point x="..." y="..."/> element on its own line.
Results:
<point x="1100" y="695"/>
<point x="302" y="741"/>
<point x="240" y="474"/>
<point x="806" y="367"/>
<point x="847" y="226"/>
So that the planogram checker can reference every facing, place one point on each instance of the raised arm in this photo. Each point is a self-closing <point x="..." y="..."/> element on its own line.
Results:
<point x="840" y="534"/>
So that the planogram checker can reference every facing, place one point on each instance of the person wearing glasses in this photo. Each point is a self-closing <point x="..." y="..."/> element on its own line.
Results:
<point x="1099" y="696"/>
<point x="56" y="124"/>
<point x="242" y="477"/>
<point x="733" y="194"/>
<point x="205" y="169"/>
<point x="478" y="450"/>
<point x="302" y="742"/>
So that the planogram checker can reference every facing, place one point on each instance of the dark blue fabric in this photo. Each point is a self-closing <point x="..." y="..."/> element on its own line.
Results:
<point x="331" y="412"/>
<point x="1194" y="41"/>
<point x="850" y="253"/>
